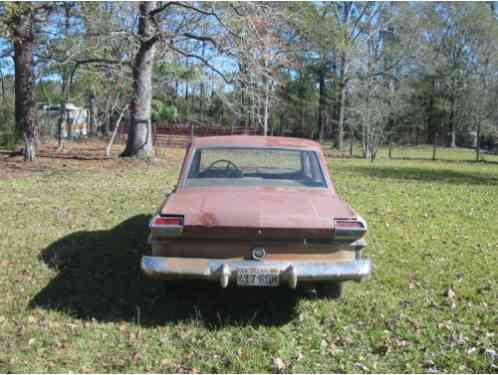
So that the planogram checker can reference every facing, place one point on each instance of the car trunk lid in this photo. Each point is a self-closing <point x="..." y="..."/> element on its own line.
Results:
<point x="265" y="213"/>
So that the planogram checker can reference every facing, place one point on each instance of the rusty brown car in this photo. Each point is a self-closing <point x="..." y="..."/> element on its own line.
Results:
<point x="257" y="211"/>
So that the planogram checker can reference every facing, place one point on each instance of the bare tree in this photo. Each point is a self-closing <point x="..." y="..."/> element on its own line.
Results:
<point x="22" y="25"/>
<point x="172" y="30"/>
<point x="139" y="142"/>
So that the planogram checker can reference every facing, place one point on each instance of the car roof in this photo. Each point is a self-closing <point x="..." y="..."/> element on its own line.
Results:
<point x="255" y="141"/>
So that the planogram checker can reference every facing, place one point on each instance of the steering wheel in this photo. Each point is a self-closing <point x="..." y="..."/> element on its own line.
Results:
<point x="231" y="169"/>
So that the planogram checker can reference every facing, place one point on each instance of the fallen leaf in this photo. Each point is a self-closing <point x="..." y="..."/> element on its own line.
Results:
<point x="402" y="344"/>
<point x="446" y="324"/>
<point x="166" y="362"/>
<point x="449" y="293"/>
<point x="278" y="363"/>
<point x="413" y="323"/>
<point x="333" y="349"/>
<point x="361" y="366"/>
<point x="344" y="340"/>
<point x="428" y="363"/>
<point x="136" y="356"/>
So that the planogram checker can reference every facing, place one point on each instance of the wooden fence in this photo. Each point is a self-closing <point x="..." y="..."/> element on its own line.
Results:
<point x="180" y="135"/>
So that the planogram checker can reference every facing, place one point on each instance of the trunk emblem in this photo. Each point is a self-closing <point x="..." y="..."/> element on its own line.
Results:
<point x="258" y="253"/>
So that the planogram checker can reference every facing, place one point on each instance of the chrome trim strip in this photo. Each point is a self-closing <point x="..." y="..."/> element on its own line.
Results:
<point x="224" y="271"/>
<point x="167" y="231"/>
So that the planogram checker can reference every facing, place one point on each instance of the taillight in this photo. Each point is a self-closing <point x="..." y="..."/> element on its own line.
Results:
<point x="350" y="229"/>
<point x="167" y="225"/>
<point x="159" y="220"/>
<point x="343" y="224"/>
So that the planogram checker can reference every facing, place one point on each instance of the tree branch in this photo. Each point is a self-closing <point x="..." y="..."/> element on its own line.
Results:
<point x="201" y="38"/>
<point x="201" y="59"/>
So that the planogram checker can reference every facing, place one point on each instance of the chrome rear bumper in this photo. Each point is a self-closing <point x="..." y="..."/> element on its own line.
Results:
<point x="224" y="271"/>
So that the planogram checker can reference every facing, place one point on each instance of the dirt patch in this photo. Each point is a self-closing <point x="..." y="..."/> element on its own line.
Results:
<point x="77" y="155"/>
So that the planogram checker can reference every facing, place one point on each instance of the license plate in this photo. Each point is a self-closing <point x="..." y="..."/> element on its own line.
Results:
<point x="250" y="276"/>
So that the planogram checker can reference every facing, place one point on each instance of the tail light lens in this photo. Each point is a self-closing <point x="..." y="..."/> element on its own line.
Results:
<point x="343" y="224"/>
<point x="173" y="220"/>
<point x="167" y="225"/>
<point x="347" y="229"/>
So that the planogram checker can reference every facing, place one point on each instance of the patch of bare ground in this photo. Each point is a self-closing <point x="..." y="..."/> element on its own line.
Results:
<point x="77" y="155"/>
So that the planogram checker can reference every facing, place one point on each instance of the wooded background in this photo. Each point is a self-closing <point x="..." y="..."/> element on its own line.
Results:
<point x="354" y="73"/>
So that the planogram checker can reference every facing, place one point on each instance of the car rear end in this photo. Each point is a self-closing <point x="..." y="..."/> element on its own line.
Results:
<point x="257" y="234"/>
<point x="253" y="257"/>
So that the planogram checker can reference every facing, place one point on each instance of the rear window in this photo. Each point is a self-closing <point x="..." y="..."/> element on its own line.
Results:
<point x="255" y="167"/>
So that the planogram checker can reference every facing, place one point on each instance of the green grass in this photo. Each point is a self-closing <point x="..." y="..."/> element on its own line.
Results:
<point x="422" y="153"/>
<point x="442" y="153"/>
<point x="73" y="298"/>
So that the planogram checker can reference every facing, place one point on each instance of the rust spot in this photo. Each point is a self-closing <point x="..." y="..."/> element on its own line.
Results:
<point x="207" y="219"/>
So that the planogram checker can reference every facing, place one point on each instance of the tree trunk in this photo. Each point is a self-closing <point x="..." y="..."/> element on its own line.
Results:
<point x="2" y="77"/>
<point x="282" y="123"/>
<point x="187" y="105"/>
<point x="342" y="110"/>
<point x="480" y="115"/>
<point x="453" y="137"/>
<point x="351" y="140"/>
<point x="303" y="118"/>
<point x="478" y="141"/>
<point x="61" y="125"/>
<point x="114" y="133"/>
<point x="367" y="136"/>
<point x="64" y="128"/>
<point x="366" y="127"/>
<point x="366" y="148"/>
<point x="139" y="142"/>
<point x="452" y="122"/>
<point x="104" y="129"/>
<point x="266" y="108"/>
<point x="434" y="145"/>
<point x="346" y="7"/>
<point x="321" y="105"/>
<point x="430" y="114"/>
<point x="192" y="98"/>
<point x="202" y="90"/>
<point x="91" y="114"/>
<point x="175" y="96"/>
<point x="24" y="82"/>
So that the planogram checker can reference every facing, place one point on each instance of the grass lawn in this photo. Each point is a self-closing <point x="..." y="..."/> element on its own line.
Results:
<point x="73" y="297"/>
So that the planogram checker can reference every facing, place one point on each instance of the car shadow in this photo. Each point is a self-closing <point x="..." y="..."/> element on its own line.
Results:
<point x="99" y="277"/>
